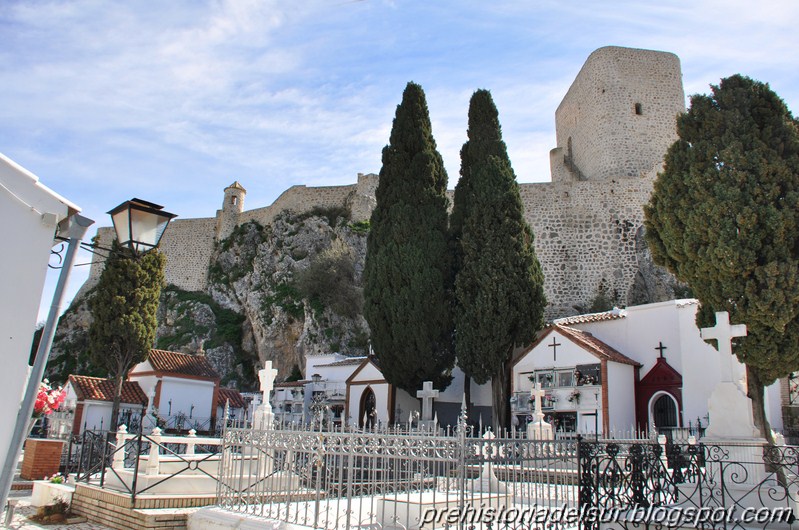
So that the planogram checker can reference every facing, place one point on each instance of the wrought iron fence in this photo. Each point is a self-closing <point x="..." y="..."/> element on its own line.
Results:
<point x="346" y="479"/>
<point x="138" y="463"/>
<point x="730" y="486"/>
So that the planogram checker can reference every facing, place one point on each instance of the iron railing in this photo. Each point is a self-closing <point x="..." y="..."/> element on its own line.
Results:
<point x="346" y="479"/>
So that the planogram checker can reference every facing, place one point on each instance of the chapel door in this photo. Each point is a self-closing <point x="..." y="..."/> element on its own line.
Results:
<point x="368" y="411"/>
<point x="664" y="412"/>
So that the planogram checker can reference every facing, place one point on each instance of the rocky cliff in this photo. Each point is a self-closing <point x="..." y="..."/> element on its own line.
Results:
<point x="275" y="292"/>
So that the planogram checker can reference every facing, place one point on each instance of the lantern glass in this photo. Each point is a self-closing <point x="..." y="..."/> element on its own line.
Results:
<point x="140" y="224"/>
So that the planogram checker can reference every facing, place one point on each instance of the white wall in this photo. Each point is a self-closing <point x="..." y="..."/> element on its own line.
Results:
<point x="184" y="393"/>
<point x="621" y="397"/>
<point x="674" y="324"/>
<point x="404" y="404"/>
<point x="29" y="213"/>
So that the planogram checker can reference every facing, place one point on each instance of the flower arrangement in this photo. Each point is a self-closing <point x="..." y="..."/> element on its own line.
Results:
<point x="574" y="397"/>
<point x="48" y="399"/>
<point x="58" y="478"/>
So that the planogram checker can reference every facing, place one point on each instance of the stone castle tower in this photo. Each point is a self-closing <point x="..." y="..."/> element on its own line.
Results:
<point x="233" y="204"/>
<point x="613" y="127"/>
<point x="617" y="119"/>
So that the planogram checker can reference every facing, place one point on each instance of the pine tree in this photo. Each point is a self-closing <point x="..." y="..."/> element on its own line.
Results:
<point x="499" y="295"/>
<point x="724" y="218"/>
<point x="407" y="275"/>
<point x="124" y="307"/>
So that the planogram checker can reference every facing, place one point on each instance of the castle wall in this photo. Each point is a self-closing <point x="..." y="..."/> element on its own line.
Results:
<point x="585" y="221"/>
<point x="584" y="235"/>
<point x="599" y="116"/>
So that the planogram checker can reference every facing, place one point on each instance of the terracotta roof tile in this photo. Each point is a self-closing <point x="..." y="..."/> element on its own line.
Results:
<point x="344" y="362"/>
<point x="236" y="399"/>
<point x="98" y="389"/>
<point x="592" y="344"/>
<point x="613" y="314"/>
<point x="182" y="364"/>
<point x="292" y="384"/>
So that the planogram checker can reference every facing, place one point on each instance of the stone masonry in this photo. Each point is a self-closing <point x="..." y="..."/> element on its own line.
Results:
<point x="613" y="128"/>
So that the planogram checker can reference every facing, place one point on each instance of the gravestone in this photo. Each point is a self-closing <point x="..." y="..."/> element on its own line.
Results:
<point x="538" y="429"/>
<point x="729" y="407"/>
<point x="427" y="394"/>
<point x="264" y="418"/>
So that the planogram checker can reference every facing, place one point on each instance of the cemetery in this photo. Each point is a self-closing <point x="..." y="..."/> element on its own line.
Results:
<point x="619" y="419"/>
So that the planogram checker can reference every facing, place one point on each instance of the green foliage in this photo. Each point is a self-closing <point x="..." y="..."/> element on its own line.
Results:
<point x="124" y="307"/>
<point x="295" y="375"/>
<point x="330" y="279"/>
<point x="724" y="218"/>
<point x="286" y="296"/>
<point x="333" y="215"/>
<point x="361" y="227"/>
<point x="499" y="296"/>
<point x="407" y="275"/>
<point x="227" y="329"/>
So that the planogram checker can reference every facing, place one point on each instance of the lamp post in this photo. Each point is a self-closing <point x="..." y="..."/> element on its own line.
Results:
<point x="139" y="226"/>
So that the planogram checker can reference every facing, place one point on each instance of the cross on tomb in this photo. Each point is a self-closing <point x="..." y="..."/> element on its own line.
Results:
<point x="427" y="394"/>
<point x="536" y="394"/>
<point x="723" y="333"/>
<point x="554" y="347"/>
<point x="267" y="377"/>
<point x="661" y="347"/>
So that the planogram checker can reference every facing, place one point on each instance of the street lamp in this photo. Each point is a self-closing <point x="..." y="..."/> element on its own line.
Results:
<point x="139" y="225"/>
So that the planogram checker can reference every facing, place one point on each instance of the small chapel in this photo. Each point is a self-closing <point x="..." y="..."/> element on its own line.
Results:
<point x="626" y="370"/>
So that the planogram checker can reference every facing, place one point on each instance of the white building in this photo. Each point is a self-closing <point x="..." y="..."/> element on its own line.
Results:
<point x="31" y="215"/>
<point x="184" y="389"/>
<point x="91" y="400"/>
<point x="636" y="367"/>
<point x="342" y="390"/>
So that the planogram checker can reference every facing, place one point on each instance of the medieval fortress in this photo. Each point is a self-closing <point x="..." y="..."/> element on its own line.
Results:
<point x="613" y="128"/>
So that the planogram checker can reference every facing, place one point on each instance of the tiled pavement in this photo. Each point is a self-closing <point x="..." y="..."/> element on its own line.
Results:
<point x="24" y="509"/>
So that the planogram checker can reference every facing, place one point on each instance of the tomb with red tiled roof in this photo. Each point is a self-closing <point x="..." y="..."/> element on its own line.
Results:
<point x="91" y="399"/>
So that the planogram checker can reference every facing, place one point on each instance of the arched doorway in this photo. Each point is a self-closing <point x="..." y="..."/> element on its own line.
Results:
<point x="367" y="415"/>
<point x="663" y="411"/>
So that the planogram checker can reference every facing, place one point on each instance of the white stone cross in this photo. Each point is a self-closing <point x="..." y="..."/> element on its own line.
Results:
<point x="267" y="376"/>
<point x="723" y="333"/>
<point x="536" y="394"/>
<point x="427" y="394"/>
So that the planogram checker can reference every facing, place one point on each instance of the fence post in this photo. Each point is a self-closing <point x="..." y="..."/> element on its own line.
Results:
<point x="153" y="457"/>
<point x="119" y="453"/>
<point x="190" y="443"/>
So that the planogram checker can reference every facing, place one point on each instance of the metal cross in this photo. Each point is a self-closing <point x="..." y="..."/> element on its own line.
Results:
<point x="554" y="347"/>
<point x="723" y="332"/>
<point x="661" y="347"/>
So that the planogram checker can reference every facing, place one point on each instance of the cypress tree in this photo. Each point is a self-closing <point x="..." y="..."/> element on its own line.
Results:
<point x="407" y="275"/>
<point x="724" y="218"/>
<point x="124" y="307"/>
<point x="499" y="295"/>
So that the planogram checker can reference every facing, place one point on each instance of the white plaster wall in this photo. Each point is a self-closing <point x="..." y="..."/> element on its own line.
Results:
<point x="381" y="392"/>
<point x="481" y="394"/>
<point x="541" y="358"/>
<point x="96" y="415"/>
<point x="674" y="323"/>
<point x="621" y="397"/>
<point x="29" y="211"/>
<point x="404" y="404"/>
<point x="185" y="393"/>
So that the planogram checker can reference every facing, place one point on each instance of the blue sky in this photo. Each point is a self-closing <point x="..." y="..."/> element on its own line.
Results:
<point x="172" y="101"/>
